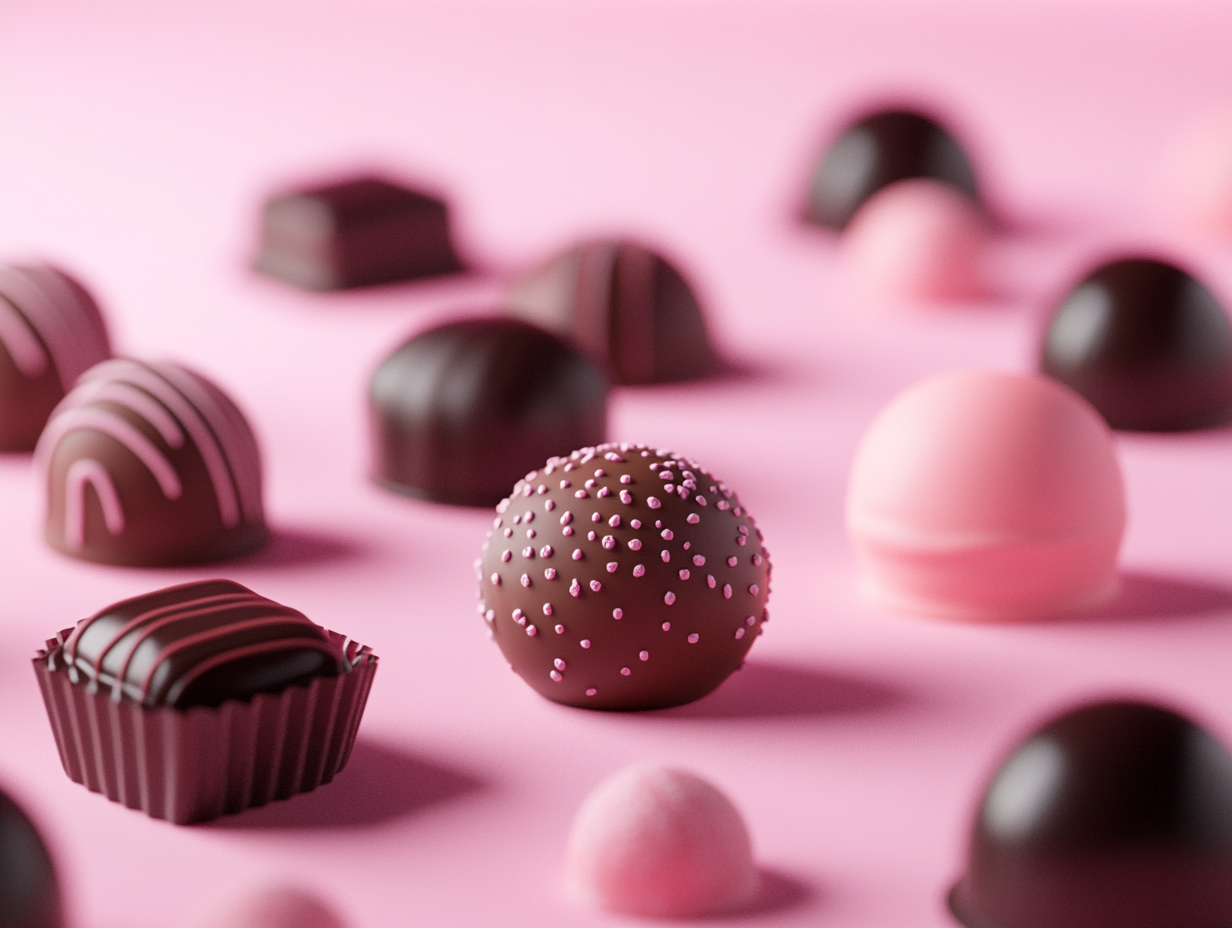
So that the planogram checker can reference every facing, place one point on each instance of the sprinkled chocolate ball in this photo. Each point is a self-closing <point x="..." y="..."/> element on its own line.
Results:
<point x="623" y="577"/>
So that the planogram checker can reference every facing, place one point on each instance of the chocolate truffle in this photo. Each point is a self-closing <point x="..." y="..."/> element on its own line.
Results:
<point x="150" y="465"/>
<point x="351" y="234"/>
<point x="624" y="305"/>
<point x="1147" y="344"/>
<point x="659" y="842"/>
<point x="880" y="149"/>
<point x="987" y="496"/>
<point x="1114" y="815"/>
<point x="461" y="411"/>
<point x="202" y="699"/>
<point x="623" y="578"/>
<point x="51" y="331"/>
<point x="29" y="890"/>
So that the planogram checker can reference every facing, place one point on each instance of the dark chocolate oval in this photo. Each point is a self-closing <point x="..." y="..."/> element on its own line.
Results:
<point x="29" y="890"/>
<point x="1114" y="815"/>
<point x="878" y="150"/>
<point x="461" y="411"/>
<point x="1147" y="343"/>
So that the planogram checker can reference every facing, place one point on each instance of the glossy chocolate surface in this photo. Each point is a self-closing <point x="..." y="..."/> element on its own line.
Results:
<point x="875" y="152"/>
<point x="51" y="331"/>
<point x="624" y="305"/>
<point x="198" y="644"/>
<point x="1114" y="815"/>
<point x="463" y="410"/>
<point x="355" y="233"/>
<point x="623" y="578"/>
<point x="1147" y="343"/>
<point x="29" y="891"/>
<point x="150" y="465"/>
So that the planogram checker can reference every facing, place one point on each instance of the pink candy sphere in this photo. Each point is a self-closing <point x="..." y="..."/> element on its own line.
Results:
<point x="660" y="842"/>
<point x="917" y="240"/>
<point x="987" y="496"/>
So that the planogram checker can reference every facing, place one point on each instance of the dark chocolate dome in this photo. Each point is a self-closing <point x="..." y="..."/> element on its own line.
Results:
<point x="880" y="149"/>
<point x="464" y="410"/>
<point x="1114" y="815"/>
<point x="29" y="891"/>
<point x="1147" y="344"/>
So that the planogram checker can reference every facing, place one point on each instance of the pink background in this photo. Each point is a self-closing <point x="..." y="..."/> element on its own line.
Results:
<point x="136" y="143"/>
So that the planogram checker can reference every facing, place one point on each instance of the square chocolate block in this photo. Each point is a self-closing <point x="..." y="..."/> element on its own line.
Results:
<point x="355" y="233"/>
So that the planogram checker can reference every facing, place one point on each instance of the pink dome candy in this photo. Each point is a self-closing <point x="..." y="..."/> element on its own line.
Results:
<point x="917" y="240"/>
<point x="987" y="496"/>
<point x="660" y="842"/>
<point x="1199" y="179"/>
<point x="276" y="906"/>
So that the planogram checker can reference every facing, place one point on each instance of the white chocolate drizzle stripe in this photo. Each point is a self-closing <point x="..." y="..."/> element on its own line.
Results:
<point x="123" y="431"/>
<point x="148" y="379"/>
<point x="22" y="344"/>
<point x="89" y="471"/>
<point x="73" y="333"/>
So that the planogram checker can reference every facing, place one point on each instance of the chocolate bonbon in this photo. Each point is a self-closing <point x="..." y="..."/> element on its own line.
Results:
<point x="623" y="304"/>
<point x="987" y="496"/>
<point x="660" y="842"/>
<point x="879" y="149"/>
<point x="1114" y="815"/>
<point x="51" y="331"/>
<point x="363" y="231"/>
<point x="202" y="699"/>
<point x="1147" y="343"/>
<point x="29" y="889"/>
<point x="150" y="465"/>
<point x="461" y="411"/>
<point x="622" y="577"/>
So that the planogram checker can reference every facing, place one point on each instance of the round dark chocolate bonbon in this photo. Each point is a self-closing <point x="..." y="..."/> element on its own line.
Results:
<point x="51" y="331"/>
<point x="1147" y="344"/>
<point x="623" y="578"/>
<point x="1114" y="815"/>
<point x="878" y="150"/>
<point x="29" y="891"/>
<point x="461" y="411"/>
<point x="150" y="465"/>
<point x="624" y="305"/>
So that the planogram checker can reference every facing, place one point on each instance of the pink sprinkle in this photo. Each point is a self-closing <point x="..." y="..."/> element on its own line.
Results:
<point x="692" y="639"/>
<point x="505" y="556"/>
<point x="555" y="676"/>
<point x="700" y="500"/>
<point x="710" y="582"/>
<point x="638" y="570"/>
<point x="532" y="631"/>
<point x="577" y="554"/>
<point x="666" y="555"/>
<point x="667" y="626"/>
<point x="559" y="664"/>
<point x="722" y="504"/>
<point x="567" y="531"/>
<point x="625" y="478"/>
<point x="549" y="505"/>
<point x="589" y="484"/>
<point x="508" y="532"/>
<point x="490" y="615"/>
<point x="591" y="536"/>
<point x="727" y="591"/>
<point x="527" y="490"/>
<point x="581" y="494"/>
<point x="517" y="520"/>
<point x="547" y="608"/>
<point x="756" y="560"/>
<point x="496" y="579"/>
<point x="737" y="511"/>
<point x="618" y="613"/>
<point x="688" y="484"/>
<point x="541" y="489"/>
<point x="591" y="691"/>
<point x="496" y="523"/>
<point x="529" y="517"/>
<point x="546" y="551"/>
<point x="585" y="642"/>
<point x="744" y="530"/>
<point x="625" y="671"/>
<point x="740" y="540"/>
<point x="595" y="517"/>
<point x="754" y="589"/>
<point x="595" y="586"/>
<point x="643" y="655"/>
<point x="528" y="552"/>
<point x="565" y="484"/>
<point x="669" y="597"/>
<point x="612" y="567"/>
<point x="517" y="614"/>
<point x="693" y="518"/>
<point x="750" y="621"/>
<point x="732" y="562"/>
<point x="603" y="492"/>
<point x="684" y="574"/>
<point x="614" y="521"/>
<point x="526" y="580"/>
<point x="530" y="533"/>
<point x="626" y="497"/>
<point x="609" y="542"/>
<point x="666" y="475"/>
<point x="636" y="523"/>
<point x="635" y="544"/>
<point x="739" y="633"/>
<point x="566" y="518"/>
<point x="699" y="560"/>
<point x="575" y="588"/>
<point x="613" y="456"/>
<point x="560" y="630"/>
<point x="655" y="466"/>
<point x="549" y="573"/>
<point x="666" y="534"/>
<point x="653" y="503"/>
<point x="670" y="488"/>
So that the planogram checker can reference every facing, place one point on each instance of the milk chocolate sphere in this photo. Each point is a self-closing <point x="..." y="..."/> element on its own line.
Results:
<point x="1147" y="343"/>
<point x="463" y="410"/>
<point x="880" y="149"/>
<point x="1114" y="815"/>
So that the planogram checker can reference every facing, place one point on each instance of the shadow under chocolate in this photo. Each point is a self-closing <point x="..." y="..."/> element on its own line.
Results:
<point x="1146" y="596"/>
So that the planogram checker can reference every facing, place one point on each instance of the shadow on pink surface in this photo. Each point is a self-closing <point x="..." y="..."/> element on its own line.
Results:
<point x="380" y="783"/>
<point x="768" y="688"/>
<point x="778" y="892"/>
<point x="297" y="547"/>
<point x="1157" y="596"/>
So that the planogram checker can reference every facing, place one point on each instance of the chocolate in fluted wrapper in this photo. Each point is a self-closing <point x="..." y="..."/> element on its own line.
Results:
<point x="196" y="764"/>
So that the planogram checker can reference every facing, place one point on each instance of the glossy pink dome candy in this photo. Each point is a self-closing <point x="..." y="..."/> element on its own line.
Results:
<point x="916" y="241"/>
<point x="660" y="842"/>
<point x="987" y="496"/>
<point x="277" y="906"/>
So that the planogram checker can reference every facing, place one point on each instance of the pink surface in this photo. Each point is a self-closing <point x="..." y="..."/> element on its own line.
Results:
<point x="137" y="140"/>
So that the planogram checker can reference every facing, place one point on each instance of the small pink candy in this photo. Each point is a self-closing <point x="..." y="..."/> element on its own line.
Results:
<point x="659" y="842"/>
<point x="917" y="241"/>
<point x="275" y="907"/>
